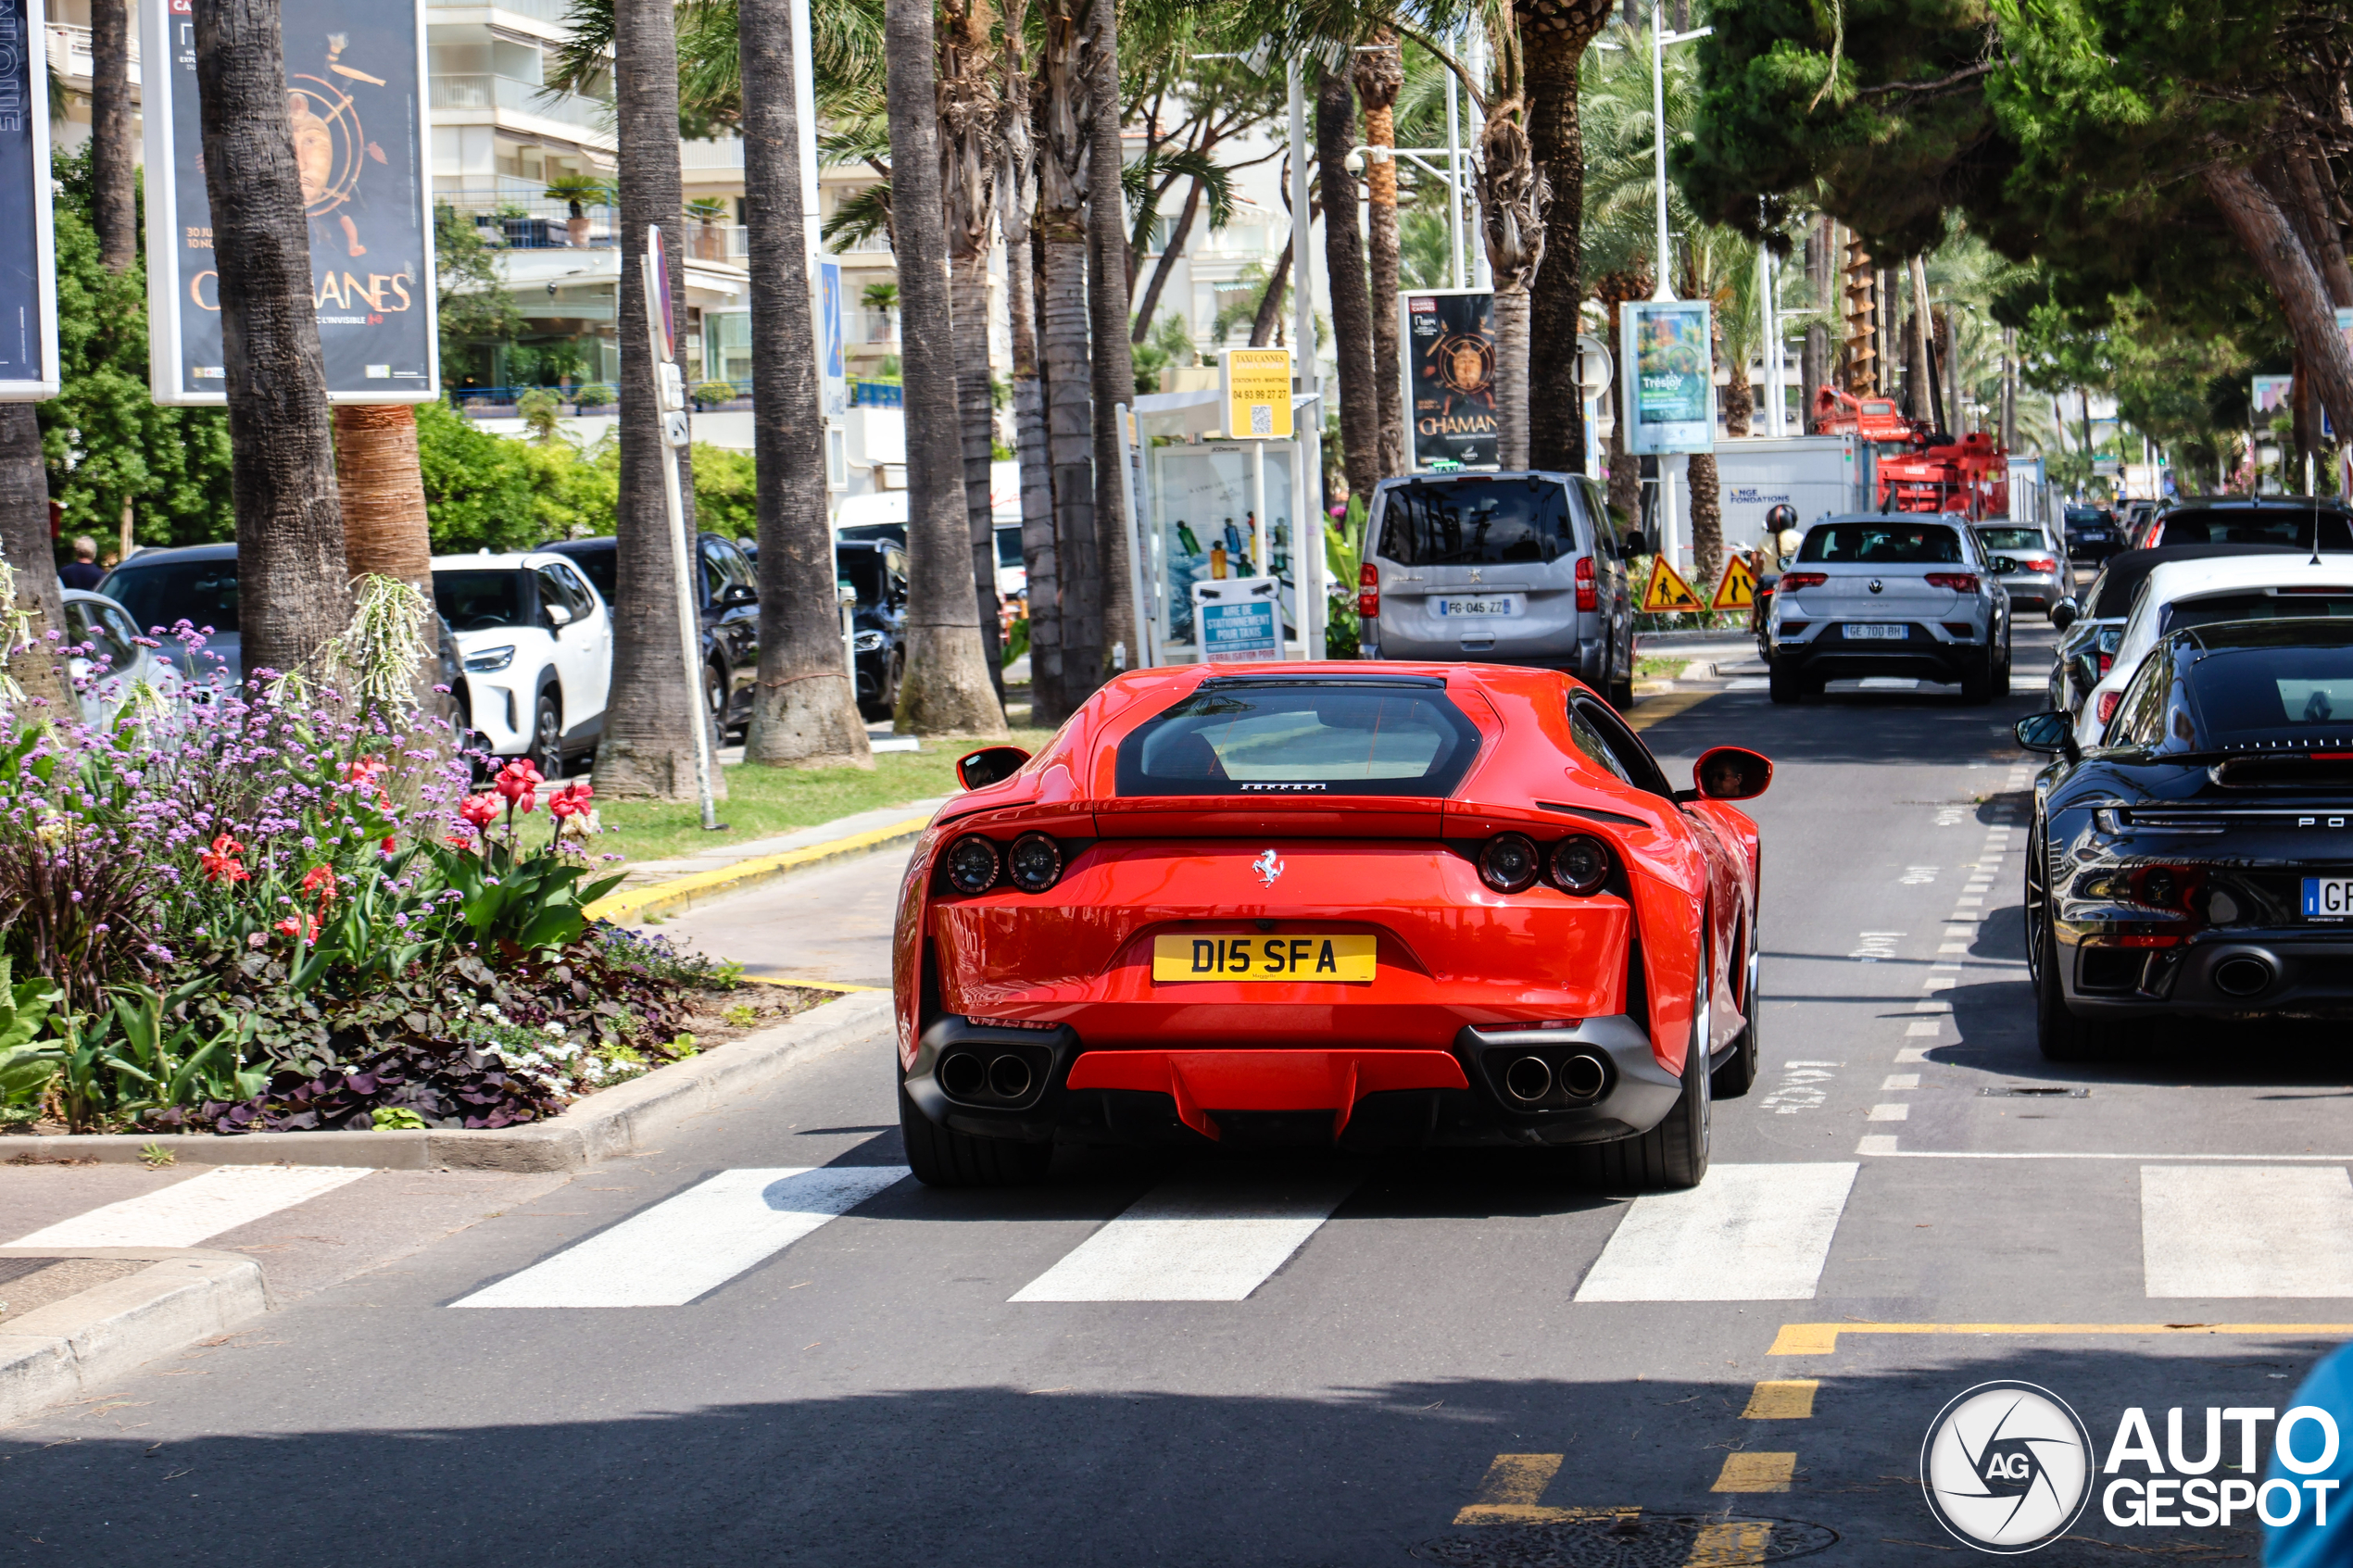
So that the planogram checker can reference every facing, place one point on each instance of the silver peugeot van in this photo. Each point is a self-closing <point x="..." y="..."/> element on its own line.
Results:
<point x="1516" y="568"/>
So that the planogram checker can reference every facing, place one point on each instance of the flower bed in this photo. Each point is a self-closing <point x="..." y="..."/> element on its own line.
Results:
<point x="286" y="908"/>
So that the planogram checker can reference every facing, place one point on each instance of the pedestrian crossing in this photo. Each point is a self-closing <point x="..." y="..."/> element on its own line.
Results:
<point x="2217" y="1231"/>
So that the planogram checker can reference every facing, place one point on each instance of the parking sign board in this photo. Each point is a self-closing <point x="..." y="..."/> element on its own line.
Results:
<point x="27" y="271"/>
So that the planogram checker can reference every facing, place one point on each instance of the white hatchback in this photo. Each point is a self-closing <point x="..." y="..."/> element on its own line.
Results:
<point x="537" y="643"/>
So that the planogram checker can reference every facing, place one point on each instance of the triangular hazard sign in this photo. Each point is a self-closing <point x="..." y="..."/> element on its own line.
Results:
<point x="1738" y="591"/>
<point x="1667" y="590"/>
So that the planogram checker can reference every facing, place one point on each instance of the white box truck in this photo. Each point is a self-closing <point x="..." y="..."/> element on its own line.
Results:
<point x="1816" y="474"/>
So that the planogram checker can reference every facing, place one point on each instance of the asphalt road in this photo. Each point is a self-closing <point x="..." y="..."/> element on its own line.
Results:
<point x="1280" y="1362"/>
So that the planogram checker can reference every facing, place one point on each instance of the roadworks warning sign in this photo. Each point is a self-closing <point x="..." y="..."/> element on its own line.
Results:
<point x="1667" y="593"/>
<point x="1738" y="591"/>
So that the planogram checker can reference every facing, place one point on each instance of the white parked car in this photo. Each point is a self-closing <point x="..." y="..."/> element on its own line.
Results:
<point x="537" y="645"/>
<point x="2197" y="593"/>
<point x="113" y="660"/>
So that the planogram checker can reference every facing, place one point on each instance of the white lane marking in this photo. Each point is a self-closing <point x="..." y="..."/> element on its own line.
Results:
<point x="669" y="1254"/>
<point x="2212" y="1234"/>
<point x="1924" y="1029"/>
<point x="1901" y="1081"/>
<point x="2029" y="1154"/>
<point x="1194" y="1241"/>
<point x="1969" y="903"/>
<point x="1897" y="1112"/>
<point x="1748" y="1232"/>
<point x="1910" y="1054"/>
<point x="1877" y="1143"/>
<point x="1939" y="982"/>
<point x="1954" y="947"/>
<point x="1931" y="1006"/>
<point x="1801" y="1087"/>
<point x="1873" y="946"/>
<point x="194" y="1211"/>
<point x="1916" y="876"/>
<point x="1749" y="684"/>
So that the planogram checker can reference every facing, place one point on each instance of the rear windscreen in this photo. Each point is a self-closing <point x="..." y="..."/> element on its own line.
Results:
<point x="1477" y="522"/>
<point x="203" y="593"/>
<point x="2243" y="694"/>
<point x="600" y="567"/>
<point x="2254" y="605"/>
<point x="1263" y="737"/>
<point x="1880" y="543"/>
<point x="2012" y="538"/>
<point x="2258" y="525"/>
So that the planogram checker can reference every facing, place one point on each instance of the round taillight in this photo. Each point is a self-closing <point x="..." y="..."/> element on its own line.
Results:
<point x="1509" y="864"/>
<point x="1580" y="862"/>
<point x="1034" y="863"/>
<point x="972" y="865"/>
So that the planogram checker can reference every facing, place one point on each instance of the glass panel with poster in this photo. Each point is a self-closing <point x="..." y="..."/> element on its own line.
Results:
<point x="1205" y="524"/>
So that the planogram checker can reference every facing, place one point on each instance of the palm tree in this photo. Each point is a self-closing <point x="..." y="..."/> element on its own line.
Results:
<point x="946" y="689"/>
<point x="1062" y="166"/>
<point x="1350" y="295"/>
<point x="1555" y="33"/>
<point x="1114" y="366"/>
<point x="804" y="711"/>
<point x="882" y="299"/>
<point x="1018" y="183"/>
<point x="971" y="123"/>
<point x="1514" y="196"/>
<point x="647" y="748"/>
<point x="25" y="549"/>
<point x="294" y="588"/>
<point x="1380" y="73"/>
<point x="113" y="154"/>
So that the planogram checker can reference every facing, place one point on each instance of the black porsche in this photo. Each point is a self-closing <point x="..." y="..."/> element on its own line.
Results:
<point x="2200" y="864"/>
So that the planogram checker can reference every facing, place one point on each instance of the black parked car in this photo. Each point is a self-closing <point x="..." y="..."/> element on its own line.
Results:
<point x="2093" y="622"/>
<point x="2091" y="534"/>
<point x="2298" y="521"/>
<point x="2201" y="862"/>
<point x="728" y="591"/>
<point x="876" y="569"/>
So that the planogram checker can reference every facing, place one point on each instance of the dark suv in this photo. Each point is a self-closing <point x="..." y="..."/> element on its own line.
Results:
<point x="876" y="569"/>
<point x="727" y="591"/>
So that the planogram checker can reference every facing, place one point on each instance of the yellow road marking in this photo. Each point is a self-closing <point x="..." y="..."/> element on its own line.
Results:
<point x="1821" y="1339"/>
<point x="1666" y="705"/>
<point x="1730" y="1544"/>
<point x="1789" y="1399"/>
<point x="636" y="902"/>
<point x="1508" y="1495"/>
<point x="1756" y="1473"/>
<point x="809" y="985"/>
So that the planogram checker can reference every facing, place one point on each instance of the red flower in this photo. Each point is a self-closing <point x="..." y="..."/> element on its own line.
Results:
<point x="480" y="809"/>
<point x="387" y="847"/>
<point x="460" y="840"/>
<point x="220" y="862"/>
<point x="365" y="769"/>
<point x="300" y="926"/>
<point x="321" y="881"/>
<point x="519" y="781"/>
<point x="570" y="801"/>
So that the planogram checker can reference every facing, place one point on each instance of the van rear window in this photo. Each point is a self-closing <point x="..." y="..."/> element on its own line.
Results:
<point x="1477" y="522"/>
<point x="1882" y="544"/>
<point x="1264" y="737"/>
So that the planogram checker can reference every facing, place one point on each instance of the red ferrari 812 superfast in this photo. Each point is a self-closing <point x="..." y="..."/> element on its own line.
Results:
<point x="1363" y="905"/>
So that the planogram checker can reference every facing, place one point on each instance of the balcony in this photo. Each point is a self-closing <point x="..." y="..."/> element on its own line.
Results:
<point x="70" y="51"/>
<point x="549" y="11"/>
<point x="504" y="95"/>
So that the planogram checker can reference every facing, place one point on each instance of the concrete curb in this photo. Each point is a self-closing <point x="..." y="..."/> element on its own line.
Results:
<point x="684" y="893"/>
<point x="602" y="1126"/>
<point x="69" y="1348"/>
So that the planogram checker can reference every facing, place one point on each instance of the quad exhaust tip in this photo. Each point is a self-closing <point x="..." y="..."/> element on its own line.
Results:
<point x="2243" y="974"/>
<point x="965" y="1075"/>
<point x="1582" y="1076"/>
<point x="1528" y="1080"/>
<point x="1009" y="1077"/>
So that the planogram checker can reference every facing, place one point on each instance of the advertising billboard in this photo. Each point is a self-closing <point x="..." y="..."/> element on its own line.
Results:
<point x="1450" y="379"/>
<point x="832" y="380"/>
<point x="28" y="270"/>
<point x="1257" y="393"/>
<point x="354" y="104"/>
<point x="1668" y="377"/>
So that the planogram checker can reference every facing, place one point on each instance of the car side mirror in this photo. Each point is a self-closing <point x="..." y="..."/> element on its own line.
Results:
<point x="2063" y="614"/>
<point x="1634" y="544"/>
<point x="1731" y="772"/>
<point x="990" y="764"/>
<point x="2004" y="566"/>
<point x="557" y="616"/>
<point x="734" y="595"/>
<point x="2052" y="734"/>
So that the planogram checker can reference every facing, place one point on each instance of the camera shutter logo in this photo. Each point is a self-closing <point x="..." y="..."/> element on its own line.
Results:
<point x="2006" y="1467"/>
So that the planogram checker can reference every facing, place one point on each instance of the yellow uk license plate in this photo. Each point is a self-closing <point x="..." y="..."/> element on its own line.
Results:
<point x="1263" y="957"/>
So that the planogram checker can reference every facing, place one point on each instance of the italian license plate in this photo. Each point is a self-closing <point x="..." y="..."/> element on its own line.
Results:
<point x="1485" y="609"/>
<point x="1263" y="957"/>
<point x="2328" y="898"/>
<point x="1867" y="634"/>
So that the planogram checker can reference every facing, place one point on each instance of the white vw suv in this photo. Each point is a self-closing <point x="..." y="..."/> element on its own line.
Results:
<point x="537" y="643"/>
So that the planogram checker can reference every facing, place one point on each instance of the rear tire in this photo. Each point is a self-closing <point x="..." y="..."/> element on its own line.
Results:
<point x="1738" y="1075"/>
<point x="1620" y="694"/>
<point x="1786" y="685"/>
<point x="546" y="745"/>
<point x="1977" y="681"/>
<point x="942" y="1157"/>
<point x="2059" y="1034"/>
<point x="1673" y="1155"/>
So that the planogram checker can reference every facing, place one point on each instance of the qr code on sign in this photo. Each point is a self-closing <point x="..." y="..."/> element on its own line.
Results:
<point x="1262" y="419"/>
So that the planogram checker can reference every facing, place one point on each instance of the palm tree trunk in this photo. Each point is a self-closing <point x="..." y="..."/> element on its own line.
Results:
<point x="946" y="690"/>
<point x="1114" y="368"/>
<point x="647" y="748"/>
<point x="24" y="544"/>
<point x="975" y="417"/>
<point x="1379" y="76"/>
<point x="1070" y="429"/>
<point x="385" y="530"/>
<point x="1625" y="469"/>
<point x="1556" y="32"/>
<point x="1019" y="185"/>
<point x="114" y="154"/>
<point x="969" y="117"/>
<point x="804" y="711"/>
<point x="1351" y="296"/>
<point x="1740" y="401"/>
<point x="295" y="591"/>
<point x="1510" y="376"/>
<point x="1707" y="523"/>
<point x="1270" y="304"/>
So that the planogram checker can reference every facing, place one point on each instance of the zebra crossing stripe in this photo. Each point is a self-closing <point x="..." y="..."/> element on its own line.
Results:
<point x="188" y="1212"/>
<point x="1197" y="1241"/>
<point x="683" y="1246"/>
<point x="1748" y="1232"/>
<point x="2218" y="1231"/>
